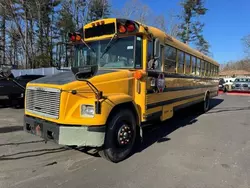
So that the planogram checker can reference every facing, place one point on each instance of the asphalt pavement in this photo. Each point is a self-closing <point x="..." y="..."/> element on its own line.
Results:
<point x="191" y="150"/>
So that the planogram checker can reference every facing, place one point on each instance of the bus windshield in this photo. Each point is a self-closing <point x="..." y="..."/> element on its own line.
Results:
<point x="115" y="53"/>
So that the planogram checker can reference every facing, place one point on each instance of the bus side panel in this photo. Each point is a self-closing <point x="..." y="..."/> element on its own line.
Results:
<point x="179" y="91"/>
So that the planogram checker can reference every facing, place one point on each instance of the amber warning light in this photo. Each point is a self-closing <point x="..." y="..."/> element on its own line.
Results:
<point x="127" y="27"/>
<point x="138" y="75"/>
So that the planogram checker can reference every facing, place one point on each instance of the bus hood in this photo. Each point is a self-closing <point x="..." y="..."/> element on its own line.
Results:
<point x="108" y="81"/>
<point x="63" y="78"/>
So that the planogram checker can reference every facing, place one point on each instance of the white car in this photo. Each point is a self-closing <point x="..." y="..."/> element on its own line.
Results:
<point x="228" y="83"/>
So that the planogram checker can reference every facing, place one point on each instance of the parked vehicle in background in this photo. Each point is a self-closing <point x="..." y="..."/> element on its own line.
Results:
<point x="221" y="84"/>
<point x="241" y="84"/>
<point x="228" y="84"/>
<point x="14" y="87"/>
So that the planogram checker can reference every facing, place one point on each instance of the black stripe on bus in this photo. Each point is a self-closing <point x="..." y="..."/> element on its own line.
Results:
<point x="171" y="101"/>
<point x="150" y="91"/>
<point x="157" y="115"/>
<point x="153" y="116"/>
<point x="177" y="75"/>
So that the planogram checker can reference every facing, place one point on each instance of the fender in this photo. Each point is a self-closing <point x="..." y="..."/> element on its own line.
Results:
<point x="115" y="100"/>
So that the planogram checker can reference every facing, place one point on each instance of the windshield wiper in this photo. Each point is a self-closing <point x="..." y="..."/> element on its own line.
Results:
<point x="109" y="45"/>
<point x="88" y="46"/>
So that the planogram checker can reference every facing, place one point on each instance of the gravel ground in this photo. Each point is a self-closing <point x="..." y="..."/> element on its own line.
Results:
<point x="198" y="151"/>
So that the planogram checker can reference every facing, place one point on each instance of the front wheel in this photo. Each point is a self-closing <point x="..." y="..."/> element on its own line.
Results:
<point x="120" y="136"/>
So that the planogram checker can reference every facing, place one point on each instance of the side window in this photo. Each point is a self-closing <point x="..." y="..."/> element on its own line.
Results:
<point x="180" y="62"/>
<point x="160" y="60"/>
<point x="193" y="60"/>
<point x="188" y="64"/>
<point x="208" y="69"/>
<point x="170" y="59"/>
<point x="198" y="67"/>
<point x="202" y="68"/>
<point x="154" y="51"/>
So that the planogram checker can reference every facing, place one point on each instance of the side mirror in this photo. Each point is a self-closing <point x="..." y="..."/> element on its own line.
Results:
<point x="86" y="72"/>
<point x="5" y="72"/>
<point x="156" y="48"/>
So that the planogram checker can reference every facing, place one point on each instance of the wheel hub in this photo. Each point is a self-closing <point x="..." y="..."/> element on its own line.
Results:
<point x="124" y="135"/>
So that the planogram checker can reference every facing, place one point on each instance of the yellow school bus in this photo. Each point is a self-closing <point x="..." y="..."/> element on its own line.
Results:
<point x="123" y="74"/>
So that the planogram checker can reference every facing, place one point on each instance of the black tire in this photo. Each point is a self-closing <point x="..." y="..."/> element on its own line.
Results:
<point x="204" y="106"/>
<point x="113" y="150"/>
<point x="226" y="88"/>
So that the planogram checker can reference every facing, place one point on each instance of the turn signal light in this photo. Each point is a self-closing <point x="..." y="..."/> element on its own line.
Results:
<point x="138" y="75"/>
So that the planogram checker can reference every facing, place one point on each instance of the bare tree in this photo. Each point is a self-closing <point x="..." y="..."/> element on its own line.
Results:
<point x="168" y="25"/>
<point x="246" y="43"/>
<point x="135" y="9"/>
<point x="172" y="25"/>
<point x="160" y="23"/>
<point x="3" y="18"/>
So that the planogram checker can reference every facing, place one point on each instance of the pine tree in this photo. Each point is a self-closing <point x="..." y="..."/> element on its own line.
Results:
<point x="190" y="30"/>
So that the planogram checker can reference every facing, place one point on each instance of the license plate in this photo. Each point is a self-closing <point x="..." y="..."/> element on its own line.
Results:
<point x="38" y="129"/>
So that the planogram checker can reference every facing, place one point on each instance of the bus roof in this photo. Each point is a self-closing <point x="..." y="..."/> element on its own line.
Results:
<point x="165" y="38"/>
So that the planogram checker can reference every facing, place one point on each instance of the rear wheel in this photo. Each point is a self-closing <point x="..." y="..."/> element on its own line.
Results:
<point x="205" y="105"/>
<point x="120" y="136"/>
<point x="226" y="88"/>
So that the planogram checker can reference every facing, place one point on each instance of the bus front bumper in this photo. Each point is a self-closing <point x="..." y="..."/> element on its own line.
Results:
<point x="69" y="135"/>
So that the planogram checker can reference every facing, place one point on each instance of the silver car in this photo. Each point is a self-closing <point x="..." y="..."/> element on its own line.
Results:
<point x="241" y="84"/>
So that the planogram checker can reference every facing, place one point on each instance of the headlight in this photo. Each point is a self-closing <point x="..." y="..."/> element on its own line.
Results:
<point x="87" y="110"/>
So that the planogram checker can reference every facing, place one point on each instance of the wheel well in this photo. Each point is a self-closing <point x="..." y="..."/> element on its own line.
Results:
<point x="127" y="105"/>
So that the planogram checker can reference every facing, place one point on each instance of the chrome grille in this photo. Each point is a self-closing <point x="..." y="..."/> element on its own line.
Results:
<point x="43" y="101"/>
<point x="245" y="85"/>
<point x="237" y="85"/>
